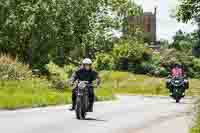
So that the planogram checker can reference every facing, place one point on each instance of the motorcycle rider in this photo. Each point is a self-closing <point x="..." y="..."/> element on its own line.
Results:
<point x="176" y="72"/>
<point x="85" y="73"/>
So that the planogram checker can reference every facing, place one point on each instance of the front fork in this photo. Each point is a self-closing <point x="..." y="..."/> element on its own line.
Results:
<point x="84" y="99"/>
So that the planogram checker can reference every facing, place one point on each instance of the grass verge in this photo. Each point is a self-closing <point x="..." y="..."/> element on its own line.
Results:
<point x="196" y="128"/>
<point x="37" y="93"/>
<point x="128" y="83"/>
<point x="30" y="93"/>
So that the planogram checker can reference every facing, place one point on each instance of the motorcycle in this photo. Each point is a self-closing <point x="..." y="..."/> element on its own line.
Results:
<point x="82" y="102"/>
<point x="178" y="88"/>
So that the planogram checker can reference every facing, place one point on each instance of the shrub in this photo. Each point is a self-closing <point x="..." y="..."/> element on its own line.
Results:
<point x="163" y="72"/>
<point x="190" y="63"/>
<point x="104" y="62"/>
<point x="196" y="64"/>
<point x="128" y="54"/>
<point x="148" y="53"/>
<point x="69" y="69"/>
<point x="56" y="72"/>
<point x="58" y="76"/>
<point x="11" y="69"/>
<point x="129" y="49"/>
<point x="144" y="68"/>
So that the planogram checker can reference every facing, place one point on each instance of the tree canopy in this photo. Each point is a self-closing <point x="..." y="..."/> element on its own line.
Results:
<point x="36" y="31"/>
<point x="188" y="9"/>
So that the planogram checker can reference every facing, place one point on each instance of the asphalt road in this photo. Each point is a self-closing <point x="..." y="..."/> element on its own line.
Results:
<point x="130" y="114"/>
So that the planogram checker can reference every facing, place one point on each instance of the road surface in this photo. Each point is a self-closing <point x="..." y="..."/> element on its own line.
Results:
<point x="130" y="114"/>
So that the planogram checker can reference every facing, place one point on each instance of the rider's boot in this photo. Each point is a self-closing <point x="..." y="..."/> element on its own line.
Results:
<point x="73" y="106"/>
<point x="90" y="108"/>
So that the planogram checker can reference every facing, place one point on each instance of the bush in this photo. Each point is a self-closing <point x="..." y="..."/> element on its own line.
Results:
<point x="11" y="69"/>
<point x="129" y="49"/>
<point x="58" y="76"/>
<point x="190" y="63"/>
<point x="144" y="68"/>
<point x="162" y="72"/>
<point x="147" y="55"/>
<point x="128" y="54"/>
<point x="148" y="66"/>
<point x="69" y="69"/>
<point x="56" y="72"/>
<point x="104" y="62"/>
<point x="196" y="64"/>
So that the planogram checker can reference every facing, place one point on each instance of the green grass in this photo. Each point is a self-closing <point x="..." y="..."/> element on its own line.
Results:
<point x="30" y="93"/>
<point x="128" y="83"/>
<point x="37" y="93"/>
<point x="196" y="128"/>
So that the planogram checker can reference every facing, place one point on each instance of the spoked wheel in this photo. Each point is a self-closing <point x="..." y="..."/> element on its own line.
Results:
<point x="83" y="114"/>
<point x="80" y="111"/>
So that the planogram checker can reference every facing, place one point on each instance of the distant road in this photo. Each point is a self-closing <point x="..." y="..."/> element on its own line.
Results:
<point x="130" y="114"/>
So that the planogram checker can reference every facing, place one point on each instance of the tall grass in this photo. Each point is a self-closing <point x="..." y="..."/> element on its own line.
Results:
<point x="18" y="89"/>
<point x="30" y="93"/>
<point x="11" y="69"/>
<point x="128" y="83"/>
<point x="196" y="128"/>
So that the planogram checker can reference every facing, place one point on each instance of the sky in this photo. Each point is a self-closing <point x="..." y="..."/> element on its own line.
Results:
<point x="166" y="25"/>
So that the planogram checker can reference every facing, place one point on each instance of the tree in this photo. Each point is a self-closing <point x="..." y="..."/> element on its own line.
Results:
<point x="188" y="9"/>
<point x="60" y="30"/>
<point x="183" y="42"/>
<point x="36" y="30"/>
<point x="31" y="29"/>
<point x="127" y="53"/>
<point x="124" y="9"/>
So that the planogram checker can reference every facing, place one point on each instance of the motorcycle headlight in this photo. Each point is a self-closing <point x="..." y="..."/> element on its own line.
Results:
<point x="177" y="82"/>
<point x="82" y="85"/>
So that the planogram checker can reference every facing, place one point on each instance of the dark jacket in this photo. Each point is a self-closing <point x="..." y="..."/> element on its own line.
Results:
<point x="85" y="75"/>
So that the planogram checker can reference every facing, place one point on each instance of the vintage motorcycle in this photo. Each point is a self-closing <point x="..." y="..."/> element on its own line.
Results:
<point x="82" y="102"/>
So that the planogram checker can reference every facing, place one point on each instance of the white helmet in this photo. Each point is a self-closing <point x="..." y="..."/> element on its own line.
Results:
<point x="87" y="61"/>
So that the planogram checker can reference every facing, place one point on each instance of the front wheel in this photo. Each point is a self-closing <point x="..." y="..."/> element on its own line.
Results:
<point x="177" y="100"/>
<point x="176" y="94"/>
<point x="80" y="112"/>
